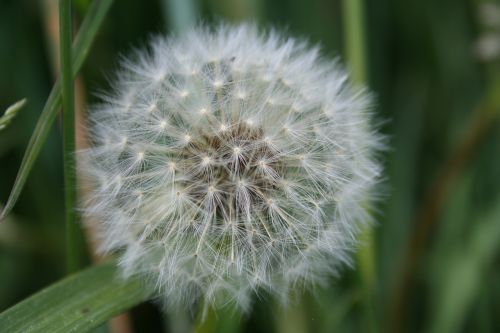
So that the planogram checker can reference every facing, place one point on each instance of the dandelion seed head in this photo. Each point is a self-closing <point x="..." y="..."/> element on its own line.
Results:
<point x="229" y="161"/>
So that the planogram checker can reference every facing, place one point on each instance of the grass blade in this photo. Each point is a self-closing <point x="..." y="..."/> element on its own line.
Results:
<point x="465" y="274"/>
<point x="68" y="102"/>
<point x="353" y="12"/>
<point x="78" y="303"/>
<point x="355" y="54"/>
<point x="81" y="47"/>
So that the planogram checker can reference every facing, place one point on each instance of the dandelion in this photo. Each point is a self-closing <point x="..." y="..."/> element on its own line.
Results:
<point x="229" y="162"/>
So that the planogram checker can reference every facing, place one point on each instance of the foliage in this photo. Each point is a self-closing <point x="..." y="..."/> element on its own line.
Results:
<point x="435" y="254"/>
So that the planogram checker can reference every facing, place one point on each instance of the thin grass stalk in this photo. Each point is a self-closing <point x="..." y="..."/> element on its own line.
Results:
<point x="355" y="54"/>
<point x="68" y="102"/>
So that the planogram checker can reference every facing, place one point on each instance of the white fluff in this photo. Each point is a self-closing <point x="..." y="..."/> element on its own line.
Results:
<point x="226" y="162"/>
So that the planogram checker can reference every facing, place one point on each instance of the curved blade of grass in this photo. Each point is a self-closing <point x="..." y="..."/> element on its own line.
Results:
<point x="81" y="47"/>
<point x="78" y="303"/>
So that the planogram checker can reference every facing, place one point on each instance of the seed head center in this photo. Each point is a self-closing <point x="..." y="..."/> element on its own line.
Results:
<point x="219" y="161"/>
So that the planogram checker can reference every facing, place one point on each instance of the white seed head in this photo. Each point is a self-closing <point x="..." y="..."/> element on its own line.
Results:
<point x="228" y="162"/>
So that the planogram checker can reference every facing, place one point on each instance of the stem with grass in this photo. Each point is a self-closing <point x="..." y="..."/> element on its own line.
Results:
<point x="354" y="42"/>
<point x="68" y="102"/>
<point x="83" y="42"/>
<point x="354" y="39"/>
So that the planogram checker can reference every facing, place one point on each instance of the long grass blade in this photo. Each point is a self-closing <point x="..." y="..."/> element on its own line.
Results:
<point x="78" y="303"/>
<point x="355" y="53"/>
<point x="68" y="103"/>
<point x="465" y="274"/>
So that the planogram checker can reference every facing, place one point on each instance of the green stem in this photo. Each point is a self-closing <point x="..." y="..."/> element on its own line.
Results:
<point x="68" y="101"/>
<point x="354" y="41"/>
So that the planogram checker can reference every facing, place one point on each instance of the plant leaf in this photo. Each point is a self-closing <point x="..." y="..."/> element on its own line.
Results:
<point x="465" y="273"/>
<point x="78" y="303"/>
<point x="81" y="47"/>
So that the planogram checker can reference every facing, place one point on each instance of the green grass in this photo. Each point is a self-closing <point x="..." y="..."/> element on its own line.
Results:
<point x="431" y="263"/>
<point x="355" y="57"/>
<point x="78" y="303"/>
<point x="73" y="245"/>
<point x="83" y="42"/>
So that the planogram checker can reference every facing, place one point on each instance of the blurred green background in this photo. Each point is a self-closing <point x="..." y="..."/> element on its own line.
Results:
<point x="434" y="69"/>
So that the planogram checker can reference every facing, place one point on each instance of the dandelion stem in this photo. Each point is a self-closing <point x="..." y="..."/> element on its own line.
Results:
<point x="354" y="42"/>
<point x="72" y="243"/>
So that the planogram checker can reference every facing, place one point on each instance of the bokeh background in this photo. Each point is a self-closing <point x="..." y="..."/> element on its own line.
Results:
<point x="434" y="69"/>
